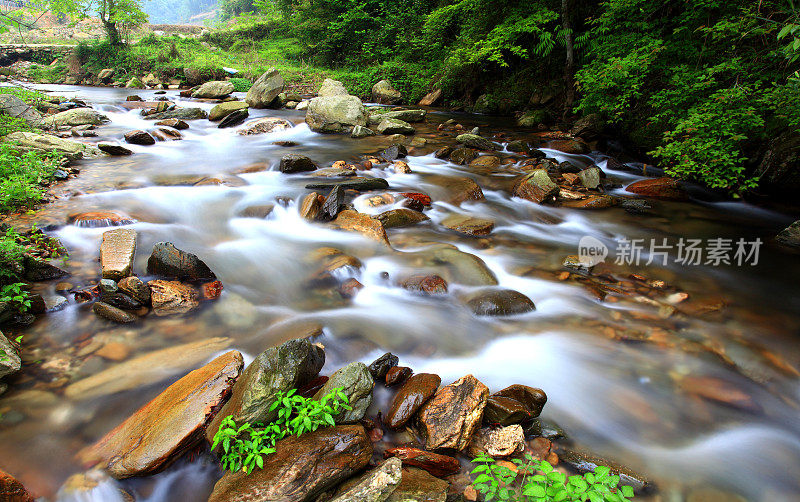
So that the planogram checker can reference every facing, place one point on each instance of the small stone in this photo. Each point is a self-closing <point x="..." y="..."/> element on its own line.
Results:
<point x="453" y="414"/>
<point x="112" y="313"/>
<point x="463" y="156"/>
<point x="502" y="442"/>
<point x="500" y="302"/>
<point x="172" y="297"/>
<point x="382" y="365"/>
<point x="114" y="351"/>
<point x="139" y="137"/>
<point x="514" y="404"/>
<point x="436" y="464"/>
<point x="402" y="217"/>
<point x="412" y="395"/>
<point x="398" y="375"/>
<point x="425" y="284"/>
<point x="536" y="187"/>
<point x="114" y="149"/>
<point x="664" y="188"/>
<point x="311" y="206"/>
<point x="363" y="223"/>
<point x="136" y="289"/>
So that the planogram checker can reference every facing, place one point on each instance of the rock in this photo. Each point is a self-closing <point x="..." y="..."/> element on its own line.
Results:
<point x="518" y="146"/>
<point x="398" y="375"/>
<point x="514" y="404"/>
<point x="402" y="217"/>
<point x="663" y="188"/>
<point x="464" y="268"/>
<point x="105" y="75"/>
<point x="311" y="207"/>
<point x="460" y="189"/>
<point x="469" y="225"/>
<point x="335" y="114"/>
<point x="11" y="362"/>
<point x="260" y="211"/>
<point x="172" y="297"/>
<point x="116" y="253"/>
<point x="463" y="156"/>
<point x="301" y="468"/>
<point x="590" y="177"/>
<point x="333" y="203"/>
<point x="233" y="119"/>
<point x="584" y="463"/>
<point x="500" y="302"/>
<point x="265" y="125"/>
<point x="12" y="490"/>
<point x="536" y="186"/>
<point x="332" y="88"/>
<point x="222" y="110"/>
<point x="113" y="149"/>
<point x="264" y="90"/>
<point x="100" y="219"/>
<point x="179" y="114"/>
<point x="174" y="123"/>
<point x="55" y="303"/>
<point x="43" y="143"/>
<point x="485" y="164"/>
<point x="374" y="486"/>
<point x="365" y="224"/>
<point x="411" y="397"/>
<point x="425" y="284"/>
<point x="636" y="206"/>
<point x="502" y="442"/>
<point x="39" y="270"/>
<point x="112" y="313"/>
<point x="395" y="126"/>
<point x="477" y="142"/>
<point x="169" y="261"/>
<point x="431" y="98"/>
<point x="173" y="422"/>
<point x="533" y="118"/>
<point x="12" y="106"/>
<point x="404" y="115"/>
<point x="790" y="236"/>
<point x="293" y="163"/>
<point x="453" y="414"/>
<point x="381" y="366"/>
<point x="418" y="486"/>
<point x="357" y="383"/>
<point x="574" y="146"/>
<point x="436" y="464"/>
<point x="114" y="351"/>
<point x="166" y="134"/>
<point x="151" y="80"/>
<point x="216" y="89"/>
<point x="134" y="83"/>
<point x="384" y="93"/>
<point x="589" y="127"/>
<point x="74" y="117"/>
<point x="147" y="369"/>
<point x="303" y="105"/>
<point x="277" y="369"/>
<point x="361" y="132"/>
<point x="139" y="137"/>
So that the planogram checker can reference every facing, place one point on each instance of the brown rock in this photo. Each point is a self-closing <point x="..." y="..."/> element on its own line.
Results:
<point x="431" y="98"/>
<point x="536" y="187"/>
<point x="460" y="189"/>
<point x="397" y="375"/>
<point x="116" y="253"/>
<point x="419" y="486"/>
<point x="401" y="217"/>
<point x="514" y="404"/>
<point x="365" y="224"/>
<point x="502" y="442"/>
<point x="100" y="219"/>
<point x="211" y="290"/>
<point x="176" y="123"/>
<point x="574" y="146"/>
<point x="301" y="468"/>
<point x="663" y="188"/>
<point x="311" y="207"/>
<point x="114" y="351"/>
<point x="591" y="202"/>
<point x="136" y="289"/>
<point x="12" y="490"/>
<point x="453" y="414"/>
<point x="172" y="297"/>
<point x="416" y="201"/>
<point x="436" y="464"/>
<point x="425" y="284"/>
<point x="469" y="225"/>
<point x="169" y="424"/>
<point x="411" y="396"/>
<point x="139" y="137"/>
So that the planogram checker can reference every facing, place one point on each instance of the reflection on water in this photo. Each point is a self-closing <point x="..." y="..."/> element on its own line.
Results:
<point x="620" y="377"/>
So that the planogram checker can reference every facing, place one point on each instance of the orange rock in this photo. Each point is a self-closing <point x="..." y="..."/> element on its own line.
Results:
<point x="664" y="188"/>
<point x="365" y="224"/>
<point x="114" y="351"/>
<point x="12" y="490"/>
<point x="211" y="290"/>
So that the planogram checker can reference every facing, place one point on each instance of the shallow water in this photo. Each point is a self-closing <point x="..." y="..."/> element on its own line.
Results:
<point x="615" y="371"/>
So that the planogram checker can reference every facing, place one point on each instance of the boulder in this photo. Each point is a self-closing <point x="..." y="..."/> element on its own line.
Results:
<point x="436" y="464"/>
<point x="590" y="177"/>
<point x="365" y="224"/>
<point x="463" y="156"/>
<point x="533" y="118"/>
<point x="172" y="297"/>
<point x="114" y="149"/>
<point x="10" y="361"/>
<point x="180" y="114"/>
<point x="216" y="89"/>
<point x="173" y="422"/>
<point x="574" y="146"/>
<point x="134" y="83"/>
<point x="12" y="106"/>
<point x="301" y="467"/>
<point x="151" y="80"/>
<point x="502" y="442"/>
<point x="43" y="143"/>
<point x="453" y="414"/>
<point x="264" y="90"/>
<point x="139" y="137"/>
<point x="417" y="390"/>
<point x="11" y="490"/>
<point x="265" y="125"/>
<point x="169" y="261"/>
<point x="431" y="98"/>
<point x="469" y="225"/>
<point x="221" y="110"/>
<point x="500" y="302"/>
<point x="332" y="88"/>
<point x="112" y="313"/>
<point x="147" y="369"/>
<point x="277" y="369"/>
<point x="477" y="142"/>
<point x="401" y="217"/>
<point x="790" y="236"/>
<point x="395" y="126"/>
<point x="460" y="189"/>
<point x="374" y="486"/>
<point x="72" y="118"/>
<point x="418" y="486"/>
<point x="116" y="253"/>
<point x="357" y="383"/>
<point x="311" y="206"/>
<point x="536" y="186"/>
<point x="405" y="115"/>
<point x="293" y="163"/>
<point x="335" y="114"/>
<point x="514" y="404"/>
<point x="105" y="75"/>
<point x="384" y="93"/>
<point x="662" y="188"/>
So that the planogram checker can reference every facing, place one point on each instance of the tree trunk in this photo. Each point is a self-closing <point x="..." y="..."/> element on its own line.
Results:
<point x="106" y="12"/>
<point x="569" y="66"/>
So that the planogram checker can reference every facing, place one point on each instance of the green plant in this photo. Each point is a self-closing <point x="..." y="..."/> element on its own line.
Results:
<point x="18" y="297"/>
<point x="539" y="482"/>
<point x="241" y="84"/>
<point x="244" y="446"/>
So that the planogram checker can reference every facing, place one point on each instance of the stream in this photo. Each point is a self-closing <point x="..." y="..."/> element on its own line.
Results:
<point x="693" y="393"/>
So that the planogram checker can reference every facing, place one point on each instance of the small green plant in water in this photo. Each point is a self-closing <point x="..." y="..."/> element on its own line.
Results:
<point x="245" y="446"/>
<point x="539" y="482"/>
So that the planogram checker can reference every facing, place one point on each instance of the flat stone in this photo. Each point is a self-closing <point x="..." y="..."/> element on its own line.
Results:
<point x="265" y="125"/>
<point x="151" y="438"/>
<point x="663" y="188"/>
<point x="180" y="114"/>
<point x="301" y="468"/>
<point x="364" y="224"/>
<point x="356" y="383"/>
<point x="147" y="369"/>
<point x="410" y="398"/>
<point x="469" y="225"/>
<point x="394" y="126"/>
<point x="418" y="486"/>
<point x="116" y="253"/>
<point x="453" y="414"/>
<point x="222" y="110"/>
<point x="374" y="486"/>
<point x="355" y="183"/>
<point x="592" y="202"/>
<point x="536" y="186"/>
<point x="436" y="464"/>
<point x="172" y="297"/>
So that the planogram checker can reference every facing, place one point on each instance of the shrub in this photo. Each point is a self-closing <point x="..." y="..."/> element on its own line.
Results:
<point x="23" y="176"/>
<point x="241" y="84"/>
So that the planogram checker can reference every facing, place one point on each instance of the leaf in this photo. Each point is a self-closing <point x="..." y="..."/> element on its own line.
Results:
<point x="626" y="490"/>
<point x="534" y="491"/>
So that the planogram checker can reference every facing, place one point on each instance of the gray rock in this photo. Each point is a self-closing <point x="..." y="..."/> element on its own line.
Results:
<point x="361" y="132"/>
<point x="10" y="361"/>
<point x="395" y="126"/>
<point x="139" y="137"/>
<point x="332" y="88"/>
<point x="293" y="163"/>
<point x="12" y="106"/>
<point x="40" y="270"/>
<point x="216" y="89"/>
<point x="416" y="485"/>
<point x="407" y="115"/>
<point x="335" y="114"/>
<point x="180" y="114"/>
<point x="75" y="117"/>
<point x="265" y="89"/>
<point x="113" y="149"/>
<point x="790" y="236"/>
<point x="475" y="141"/>
<point x="112" y="313"/>
<point x="376" y="485"/>
<point x="500" y="302"/>
<point x="590" y="177"/>
<point x="221" y="110"/>
<point x="265" y="125"/>
<point x="354" y="183"/>
<point x="167" y="260"/>
<point x="357" y="383"/>
<point x="31" y="141"/>
<point x="384" y="93"/>
<point x="234" y="118"/>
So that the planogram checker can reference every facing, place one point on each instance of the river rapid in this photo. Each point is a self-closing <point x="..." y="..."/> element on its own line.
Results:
<point x="693" y="392"/>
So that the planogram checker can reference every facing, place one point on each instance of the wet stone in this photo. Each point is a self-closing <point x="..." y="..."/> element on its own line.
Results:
<point x="463" y="156"/>
<point x="116" y="253"/>
<point x="536" y="187"/>
<point x="172" y="297"/>
<point x="373" y="486"/>
<point x="584" y="463"/>
<point x="357" y="383"/>
<point x="398" y="375"/>
<point x="11" y="490"/>
<point x="514" y="404"/>
<point x="114" y="149"/>
<point x="497" y="442"/>
<point x="453" y="414"/>
<point x="436" y="464"/>
<point x="311" y="206"/>
<point x="233" y="119"/>
<point x="136" y="289"/>
<point x="140" y="137"/>
<point x="469" y="225"/>
<point x="382" y="365"/>
<point x="169" y="261"/>
<point x="664" y="188"/>
<point x="394" y="152"/>
<point x="425" y="284"/>
<point x="333" y="203"/>
<point x="500" y="302"/>
<point x="402" y="217"/>
<point x="419" y="486"/>
<point x="354" y="183"/>
<point x="293" y="163"/>
<point x="112" y="313"/>
<point x="411" y="396"/>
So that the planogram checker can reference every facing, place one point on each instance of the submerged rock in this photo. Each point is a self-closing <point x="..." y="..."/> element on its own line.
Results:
<point x="112" y="313"/>
<point x="425" y="284"/>
<point x="153" y="436"/>
<point x="362" y="223"/>
<point x="301" y="468"/>
<point x="500" y="302"/>
<point x="417" y="390"/>
<point x="453" y="414"/>
<point x="169" y="261"/>
<point x="356" y="383"/>
<point x="469" y="225"/>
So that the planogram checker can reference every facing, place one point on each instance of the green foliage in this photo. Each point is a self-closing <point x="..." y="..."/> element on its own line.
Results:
<point x="23" y="176"/>
<point x="48" y="73"/>
<point x="18" y="297"/>
<point x="241" y="84"/>
<point x="12" y="254"/>
<point x="539" y="482"/>
<point x="244" y="446"/>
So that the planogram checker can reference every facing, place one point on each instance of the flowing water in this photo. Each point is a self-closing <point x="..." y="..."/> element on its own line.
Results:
<point x="702" y="392"/>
